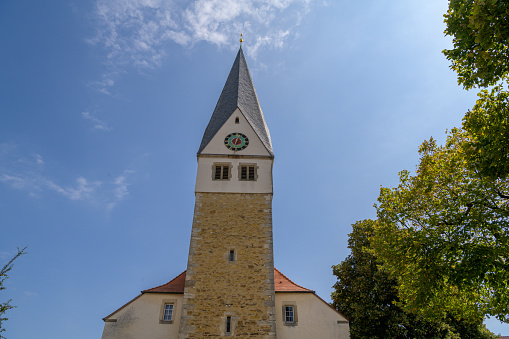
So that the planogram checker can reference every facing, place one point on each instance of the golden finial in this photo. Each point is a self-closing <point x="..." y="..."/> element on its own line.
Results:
<point x="241" y="40"/>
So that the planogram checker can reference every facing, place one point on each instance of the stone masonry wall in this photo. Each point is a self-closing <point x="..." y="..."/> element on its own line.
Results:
<point x="216" y="287"/>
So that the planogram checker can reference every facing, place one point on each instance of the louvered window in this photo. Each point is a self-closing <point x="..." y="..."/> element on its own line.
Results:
<point x="248" y="172"/>
<point x="221" y="172"/>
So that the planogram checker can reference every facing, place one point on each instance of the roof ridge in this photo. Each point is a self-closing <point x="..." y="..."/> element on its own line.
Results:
<point x="121" y="307"/>
<point x="331" y="306"/>
<point x="169" y="282"/>
<point x="290" y="280"/>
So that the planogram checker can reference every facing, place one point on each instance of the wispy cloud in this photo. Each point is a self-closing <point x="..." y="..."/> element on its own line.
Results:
<point x="98" y="124"/>
<point x="120" y="183"/>
<point x="38" y="159"/>
<point x="139" y="32"/>
<point x="14" y="181"/>
<point x="83" y="189"/>
<point x="28" y="174"/>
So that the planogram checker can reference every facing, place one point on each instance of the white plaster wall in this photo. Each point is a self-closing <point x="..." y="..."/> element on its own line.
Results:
<point x="315" y="318"/>
<point x="216" y="145"/>
<point x="140" y="319"/>
<point x="205" y="183"/>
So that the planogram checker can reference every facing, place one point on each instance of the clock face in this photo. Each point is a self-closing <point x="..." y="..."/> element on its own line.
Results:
<point x="236" y="141"/>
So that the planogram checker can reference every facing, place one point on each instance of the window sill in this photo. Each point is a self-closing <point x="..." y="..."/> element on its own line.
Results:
<point x="166" y="322"/>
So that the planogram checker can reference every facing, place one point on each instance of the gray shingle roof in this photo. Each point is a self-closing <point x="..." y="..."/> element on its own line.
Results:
<point x="238" y="92"/>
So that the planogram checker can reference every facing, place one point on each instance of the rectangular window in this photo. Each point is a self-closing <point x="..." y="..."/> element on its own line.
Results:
<point x="228" y="325"/>
<point x="289" y="314"/>
<point x="221" y="172"/>
<point x="248" y="172"/>
<point x="232" y="255"/>
<point x="168" y="312"/>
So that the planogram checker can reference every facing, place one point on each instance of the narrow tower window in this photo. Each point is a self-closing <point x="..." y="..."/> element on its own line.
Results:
<point x="232" y="255"/>
<point x="248" y="172"/>
<point x="237" y="120"/>
<point x="221" y="172"/>
<point x="228" y="325"/>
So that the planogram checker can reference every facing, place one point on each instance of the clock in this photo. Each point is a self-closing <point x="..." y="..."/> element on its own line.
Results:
<point x="236" y="141"/>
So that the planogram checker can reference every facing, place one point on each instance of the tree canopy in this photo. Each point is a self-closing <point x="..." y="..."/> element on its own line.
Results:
<point x="480" y="57"/>
<point x="487" y="126"/>
<point x="480" y="31"/>
<point x="444" y="233"/>
<point x="439" y="250"/>
<point x="368" y="296"/>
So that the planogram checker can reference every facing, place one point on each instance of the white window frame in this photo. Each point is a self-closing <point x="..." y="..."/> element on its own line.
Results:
<point x="168" y="312"/>
<point x="289" y="314"/>
<point x="173" y="304"/>
<point x="293" y="306"/>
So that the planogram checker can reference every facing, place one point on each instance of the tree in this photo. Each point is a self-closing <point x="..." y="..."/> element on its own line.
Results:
<point x="487" y="125"/>
<point x="369" y="298"/>
<point x="444" y="234"/>
<point x="3" y="276"/>
<point x="480" y="31"/>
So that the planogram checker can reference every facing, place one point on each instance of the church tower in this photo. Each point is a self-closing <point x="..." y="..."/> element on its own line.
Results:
<point x="229" y="285"/>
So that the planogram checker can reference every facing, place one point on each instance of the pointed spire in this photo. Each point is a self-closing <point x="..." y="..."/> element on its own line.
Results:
<point x="238" y="92"/>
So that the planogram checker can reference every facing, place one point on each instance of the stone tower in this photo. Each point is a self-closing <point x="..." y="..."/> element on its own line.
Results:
<point x="229" y="286"/>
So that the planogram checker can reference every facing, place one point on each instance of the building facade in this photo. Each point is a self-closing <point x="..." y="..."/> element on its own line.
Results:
<point x="230" y="287"/>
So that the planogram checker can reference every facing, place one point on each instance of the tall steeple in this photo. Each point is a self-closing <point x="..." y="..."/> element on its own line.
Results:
<point x="238" y="92"/>
<point x="229" y="289"/>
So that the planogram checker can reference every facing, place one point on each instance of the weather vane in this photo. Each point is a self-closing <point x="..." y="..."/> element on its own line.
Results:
<point x="241" y="40"/>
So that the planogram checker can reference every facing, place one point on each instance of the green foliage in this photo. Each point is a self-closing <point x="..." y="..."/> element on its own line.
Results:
<point x="444" y="233"/>
<point x="3" y="276"/>
<point x="487" y="126"/>
<point x="480" y="31"/>
<point x="364" y="294"/>
<point x="369" y="298"/>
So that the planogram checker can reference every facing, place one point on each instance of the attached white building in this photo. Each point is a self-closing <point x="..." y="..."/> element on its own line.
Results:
<point x="300" y="313"/>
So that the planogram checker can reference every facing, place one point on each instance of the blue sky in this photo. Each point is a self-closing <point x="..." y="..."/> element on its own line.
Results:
<point x="104" y="103"/>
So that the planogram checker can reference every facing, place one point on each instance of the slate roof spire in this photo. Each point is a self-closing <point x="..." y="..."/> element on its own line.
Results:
<point x="238" y="92"/>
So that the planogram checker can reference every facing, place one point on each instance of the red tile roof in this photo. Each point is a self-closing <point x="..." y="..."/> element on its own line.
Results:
<point x="174" y="286"/>
<point x="281" y="284"/>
